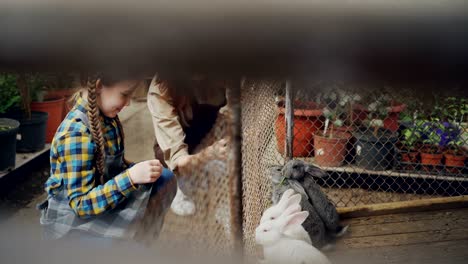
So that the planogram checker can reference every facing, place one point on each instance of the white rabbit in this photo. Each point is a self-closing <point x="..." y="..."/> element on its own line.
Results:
<point x="292" y="201"/>
<point x="278" y="248"/>
<point x="276" y="210"/>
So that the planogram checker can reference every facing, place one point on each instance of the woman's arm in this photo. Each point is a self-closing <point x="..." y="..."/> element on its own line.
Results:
<point x="167" y="127"/>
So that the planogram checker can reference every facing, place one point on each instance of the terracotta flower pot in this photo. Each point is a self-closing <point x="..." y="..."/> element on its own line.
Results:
<point x="330" y="152"/>
<point x="431" y="161"/>
<point x="410" y="159"/>
<point x="351" y="140"/>
<point x="454" y="163"/>
<point x="55" y="110"/>
<point x="391" y="121"/>
<point x="65" y="93"/>
<point x="307" y="120"/>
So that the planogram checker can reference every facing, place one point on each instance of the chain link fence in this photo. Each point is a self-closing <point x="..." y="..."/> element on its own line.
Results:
<point x="212" y="183"/>
<point x="377" y="145"/>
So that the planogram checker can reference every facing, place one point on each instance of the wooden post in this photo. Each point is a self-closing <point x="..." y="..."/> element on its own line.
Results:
<point x="235" y="179"/>
<point x="289" y="121"/>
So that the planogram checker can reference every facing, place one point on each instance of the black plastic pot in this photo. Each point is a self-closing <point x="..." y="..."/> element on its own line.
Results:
<point x="32" y="132"/>
<point x="375" y="153"/>
<point x="8" y="131"/>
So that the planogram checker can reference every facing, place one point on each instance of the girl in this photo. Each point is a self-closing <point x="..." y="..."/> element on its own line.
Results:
<point x="92" y="190"/>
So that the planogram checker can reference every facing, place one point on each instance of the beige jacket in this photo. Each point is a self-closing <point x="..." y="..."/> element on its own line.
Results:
<point x="168" y="121"/>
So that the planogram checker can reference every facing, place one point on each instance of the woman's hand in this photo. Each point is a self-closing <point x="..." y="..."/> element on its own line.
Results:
<point x="217" y="150"/>
<point x="146" y="171"/>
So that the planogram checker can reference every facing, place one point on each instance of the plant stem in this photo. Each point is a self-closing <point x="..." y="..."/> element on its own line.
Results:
<point x="376" y="129"/>
<point x="326" y="127"/>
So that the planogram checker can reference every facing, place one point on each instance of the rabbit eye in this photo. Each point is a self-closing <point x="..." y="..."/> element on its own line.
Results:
<point x="264" y="230"/>
<point x="272" y="218"/>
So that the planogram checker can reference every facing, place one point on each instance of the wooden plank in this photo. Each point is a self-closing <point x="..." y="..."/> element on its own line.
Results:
<point x="454" y="252"/>
<point x="404" y="206"/>
<point x="405" y="239"/>
<point x="407" y="217"/>
<point x="442" y="223"/>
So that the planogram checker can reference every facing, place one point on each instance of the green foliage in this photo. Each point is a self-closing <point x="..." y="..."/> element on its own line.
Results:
<point x="455" y="109"/>
<point x="411" y="136"/>
<point x="9" y="93"/>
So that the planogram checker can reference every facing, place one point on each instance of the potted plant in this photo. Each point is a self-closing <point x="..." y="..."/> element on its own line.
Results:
<point x="307" y="120"/>
<point x="431" y="152"/>
<point x="32" y="130"/>
<point x="330" y="145"/>
<point x="61" y="85"/>
<point x="374" y="143"/>
<point x="455" y="155"/>
<point x="393" y="108"/>
<point x="9" y="98"/>
<point x="410" y="134"/>
<point x="409" y="149"/>
<point x="39" y="85"/>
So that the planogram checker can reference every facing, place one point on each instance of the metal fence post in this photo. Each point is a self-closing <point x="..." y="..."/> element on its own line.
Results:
<point x="289" y="121"/>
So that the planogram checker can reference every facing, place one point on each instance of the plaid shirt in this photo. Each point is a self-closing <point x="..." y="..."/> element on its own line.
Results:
<point x="73" y="166"/>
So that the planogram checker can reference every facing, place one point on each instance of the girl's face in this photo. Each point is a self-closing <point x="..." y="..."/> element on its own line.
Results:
<point x="113" y="98"/>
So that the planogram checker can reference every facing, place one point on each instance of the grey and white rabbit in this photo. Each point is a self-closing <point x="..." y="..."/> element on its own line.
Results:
<point x="313" y="224"/>
<point x="304" y="174"/>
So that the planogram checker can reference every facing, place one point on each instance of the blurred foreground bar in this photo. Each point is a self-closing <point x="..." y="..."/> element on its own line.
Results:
<point x="415" y="40"/>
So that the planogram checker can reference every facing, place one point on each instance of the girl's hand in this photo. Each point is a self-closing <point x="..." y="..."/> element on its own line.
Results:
<point x="146" y="171"/>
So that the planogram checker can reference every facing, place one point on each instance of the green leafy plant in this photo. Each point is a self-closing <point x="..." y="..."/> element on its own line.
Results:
<point x="432" y="131"/>
<point x="455" y="109"/>
<point x="338" y="102"/>
<point x="378" y="111"/>
<point x="411" y="137"/>
<point x="9" y="93"/>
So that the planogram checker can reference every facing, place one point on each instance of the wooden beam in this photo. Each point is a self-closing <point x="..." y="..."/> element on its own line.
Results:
<point x="404" y="207"/>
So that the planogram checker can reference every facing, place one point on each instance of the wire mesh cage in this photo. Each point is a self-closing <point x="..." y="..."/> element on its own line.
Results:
<point x="211" y="181"/>
<point x="376" y="145"/>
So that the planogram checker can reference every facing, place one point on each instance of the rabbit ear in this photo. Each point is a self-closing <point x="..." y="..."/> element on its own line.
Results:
<point x="295" y="219"/>
<point x="295" y="199"/>
<point x="284" y="199"/>
<point x="315" y="171"/>
<point x="295" y="208"/>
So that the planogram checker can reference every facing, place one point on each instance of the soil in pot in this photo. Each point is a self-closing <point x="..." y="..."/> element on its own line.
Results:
<point x="375" y="152"/>
<point x="8" y="131"/>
